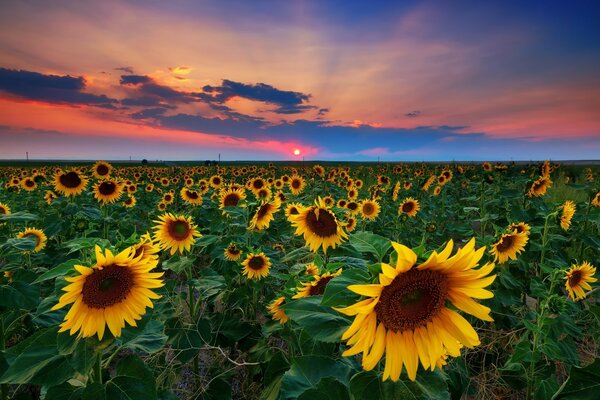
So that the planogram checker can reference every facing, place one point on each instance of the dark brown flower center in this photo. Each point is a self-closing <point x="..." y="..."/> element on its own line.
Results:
<point x="575" y="278"/>
<point x="319" y="288"/>
<point x="107" y="286"/>
<point x="216" y="180"/>
<point x="256" y="263"/>
<point x="294" y="211"/>
<point x="505" y="244"/>
<point x="296" y="184"/>
<point x="107" y="188"/>
<point x="352" y="206"/>
<point x="231" y="199"/>
<point x="102" y="170"/>
<point x="258" y="184"/>
<point x="323" y="225"/>
<point x="412" y="299"/>
<point x="263" y="211"/>
<point x="29" y="183"/>
<point x="368" y="209"/>
<point x="70" y="180"/>
<point x="179" y="230"/>
<point x="408" y="207"/>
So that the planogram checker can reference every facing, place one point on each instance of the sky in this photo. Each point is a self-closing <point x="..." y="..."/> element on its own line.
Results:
<point x="336" y="80"/>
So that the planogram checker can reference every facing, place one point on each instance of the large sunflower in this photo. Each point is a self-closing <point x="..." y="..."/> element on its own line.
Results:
<point x="70" y="183"/>
<point x="231" y="197"/>
<point x="319" y="226"/>
<point x="369" y="209"/>
<point x="175" y="232"/>
<point x="264" y="215"/>
<point x="520" y="227"/>
<point x="101" y="169"/>
<point x="568" y="210"/>
<point x="405" y="315"/>
<point x="509" y="246"/>
<point x="277" y="312"/>
<point x="539" y="187"/>
<point x="409" y="207"/>
<point x="317" y="286"/>
<point x="40" y="238"/>
<point x="256" y="266"/>
<point x="578" y="279"/>
<point x="108" y="191"/>
<point x="117" y="289"/>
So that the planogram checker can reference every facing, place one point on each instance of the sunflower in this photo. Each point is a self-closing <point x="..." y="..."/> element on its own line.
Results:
<point x="129" y="202"/>
<point x="70" y="183"/>
<point x="568" y="210"/>
<point x="108" y="191"/>
<point x="101" y="169"/>
<point x="509" y="246"/>
<point x="117" y="289"/>
<point x="256" y="184"/>
<point x="231" y="197"/>
<point x="311" y="269"/>
<point x="49" y="197"/>
<point x="161" y="206"/>
<point x="264" y="214"/>
<point x="350" y="223"/>
<point x="146" y="247"/>
<point x="232" y="252"/>
<point x="317" y="286"/>
<point x="215" y="181"/>
<point x="539" y="187"/>
<point x="297" y="184"/>
<point x="369" y="209"/>
<point x="263" y="194"/>
<point x="4" y="209"/>
<point x="277" y="312"/>
<point x="175" y="232"/>
<point x="168" y="197"/>
<point x="190" y="196"/>
<point x="256" y="266"/>
<point x="578" y="279"/>
<point x="40" y="237"/>
<point x="487" y="166"/>
<point x="395" y="191"/>
<point x="409" y="207"/>
<point x="319" y="226"/>
<point x="428" y="183"/>
<point x="520" y="227"/>
<point x="405" y="315"/>
<point x="28" y="184"/>
<point x="437" y="190"/>
<point x="353" y="207"/>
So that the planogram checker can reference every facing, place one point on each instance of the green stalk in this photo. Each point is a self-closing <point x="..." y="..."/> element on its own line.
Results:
<point x="585" y="224"/>
<point x="98" y="368"/>
<point x="545" y="237"/>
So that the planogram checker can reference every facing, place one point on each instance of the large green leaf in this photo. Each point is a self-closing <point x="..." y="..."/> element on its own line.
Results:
<point x="58" y="271"/>
<point x="336" y="292"/>
<point x="582" y="384"/>
<point x="320" y="322"/>
<point x="327" y="389"/>
<point x="428" y="386"/>
<point x="147" y="338"/>
<point x="307" y="371"/>
<point x="367" y="242"/>
<point x="20" y="216"/>
<point x="19" y="295"/>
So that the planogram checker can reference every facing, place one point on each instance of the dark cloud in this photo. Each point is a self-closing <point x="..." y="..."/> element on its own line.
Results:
<point x="129" y="70"/>
<point x="134" y="79"/>
<point x="50" y="88"/>
<point x="289" y="102"/>
<point x="323" y="111"/>
<point x="413" y="114"/>
<point x="149" y="113"/>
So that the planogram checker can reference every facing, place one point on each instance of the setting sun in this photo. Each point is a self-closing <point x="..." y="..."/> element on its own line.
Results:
<point x="297" y="152"/>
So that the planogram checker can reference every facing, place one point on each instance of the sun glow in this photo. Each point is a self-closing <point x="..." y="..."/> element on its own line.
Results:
<point x="296" y="152"/>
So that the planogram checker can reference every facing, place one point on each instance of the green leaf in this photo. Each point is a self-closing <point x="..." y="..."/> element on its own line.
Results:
<point x="210" y="283"/>
<point x="336" y="292"/>
<point x="367" y="242"/>
<point x="546" y="388"/>
<point x="20" y="216"/>
<point x="81" y="244"/>
<point x="134" y="367"/>
<point x="320" y="322"/>
<point x="19" y="295"/>
<point x="94" y="391"/>
<point x="327" y="389"/>
<point x="147" y="338"/>
<point x="582" y="384"/>
<point x="307" y="371"/>
<point x="64" y="391"/>
<point x="179" y="264"/>
<point x="21" y="244"/>
<point x="58" y="271"/>
<point x="429" y="385"/>
<point x="128" y="388"/>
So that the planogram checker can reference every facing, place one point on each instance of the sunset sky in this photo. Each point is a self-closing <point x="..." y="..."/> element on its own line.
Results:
<point x="336" y="80"/>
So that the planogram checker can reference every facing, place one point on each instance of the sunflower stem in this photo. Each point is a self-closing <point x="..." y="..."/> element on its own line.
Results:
<point x="585" y="224"/>
<point x="98" y="367"/>
<point x="545" y="238"/>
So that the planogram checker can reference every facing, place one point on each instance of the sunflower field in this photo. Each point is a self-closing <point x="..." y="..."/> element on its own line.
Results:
<point x="299" y="281"/>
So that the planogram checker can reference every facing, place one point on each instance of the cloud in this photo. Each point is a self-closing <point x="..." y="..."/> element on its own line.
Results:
<point x="134" y="79"/>
<point x="57" y="89"/>
<point x="413" y="114"/>
<point x="145" y="91"/>
<point x="129" y="70"/>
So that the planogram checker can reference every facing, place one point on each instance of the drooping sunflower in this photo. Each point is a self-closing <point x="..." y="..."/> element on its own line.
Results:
<point x="101" y="170"/>
<point x="147" y="247"/>
<point x="264" y="214"/>
<point x="510" y="246"/>
<point x="175" y="232"/>
<point x="568" y="210"/>
<point x="369" y="209"/>
<point x="117" y="289"/>
<point x="40" y="238"/>
<point x="297" y="184"/>
<point x="317" y="286"/>
<point x="232" y="252"/>
<point x="256" y="266"/>
<point x="311" y="269"/>
<point x="319" y="226"/>
<point x="409" y="207"/>
<point x="231" y="197"/>
<point x="130" y="201"/>
<point x="49" y="197"/>
<point x="539" y="187"/>
<point x="4" y="209"/>
<point x="70" y="183"/>
<point x="578" y="279"/>
<point x="191" y="196"/>
<point x="108" y="191"/>
<point x="520" y="227"/>
<point x="277" y="312"/>
<point x="406" y="317"/>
